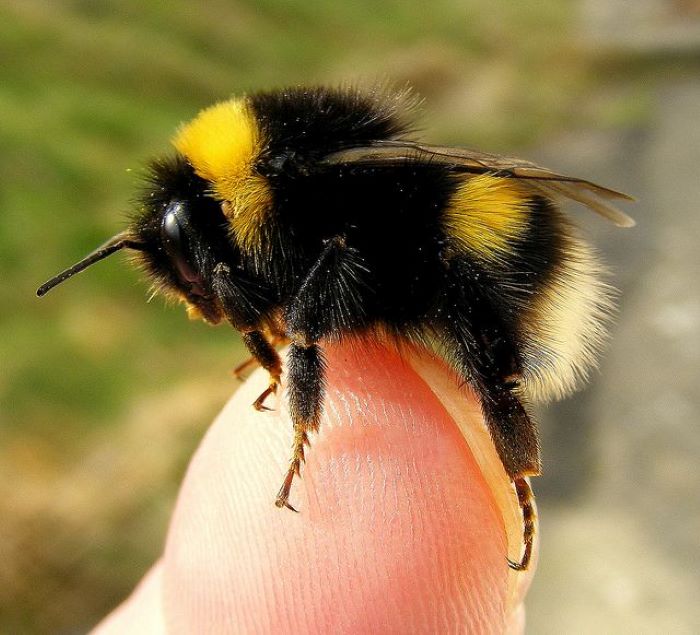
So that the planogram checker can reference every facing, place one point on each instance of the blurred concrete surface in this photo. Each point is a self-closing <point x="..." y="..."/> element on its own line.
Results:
<point x="619" y="501"/>
<point x="643" y="26"/>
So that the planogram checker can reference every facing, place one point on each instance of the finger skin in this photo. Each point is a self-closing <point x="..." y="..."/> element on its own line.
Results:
<point x="398" y="530"/>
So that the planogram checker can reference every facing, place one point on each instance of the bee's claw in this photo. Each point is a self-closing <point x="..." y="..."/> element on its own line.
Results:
<point x="258" y="404"/>
<point x="281" y="501"/>
<point x="525" y="499"/>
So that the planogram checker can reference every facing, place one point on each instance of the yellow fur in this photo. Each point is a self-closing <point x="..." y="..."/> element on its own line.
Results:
<point x="222" y="144"/>
<point x="566" y="326"/>
<point x="193" y="312"/>
<point x="486" y="214"/>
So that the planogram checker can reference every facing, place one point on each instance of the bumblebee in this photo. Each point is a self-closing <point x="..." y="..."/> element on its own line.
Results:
<point x="309" y="214"/>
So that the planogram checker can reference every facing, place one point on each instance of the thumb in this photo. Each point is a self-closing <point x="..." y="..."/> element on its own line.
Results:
<point x="406" y="515"/>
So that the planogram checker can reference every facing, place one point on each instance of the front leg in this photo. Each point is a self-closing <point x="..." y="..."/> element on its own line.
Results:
<point x="240" y="371"/>
<point x="244" y="301"/>
<point x="265" y="354"/>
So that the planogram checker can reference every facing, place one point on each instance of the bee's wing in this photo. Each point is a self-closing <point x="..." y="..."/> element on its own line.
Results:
<point x="388" y="153"/>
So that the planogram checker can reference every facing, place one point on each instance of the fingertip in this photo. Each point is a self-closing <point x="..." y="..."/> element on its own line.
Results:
<point x="398" y="527"/>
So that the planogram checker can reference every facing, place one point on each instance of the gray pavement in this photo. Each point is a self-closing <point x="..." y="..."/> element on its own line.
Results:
<point x="620" y="498"/>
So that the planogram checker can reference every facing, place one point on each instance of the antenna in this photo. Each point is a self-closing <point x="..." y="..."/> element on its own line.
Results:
<point x="120" y="241"/>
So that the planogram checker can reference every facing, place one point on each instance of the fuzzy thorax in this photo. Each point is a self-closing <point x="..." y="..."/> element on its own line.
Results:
<point x="223" y="144"/>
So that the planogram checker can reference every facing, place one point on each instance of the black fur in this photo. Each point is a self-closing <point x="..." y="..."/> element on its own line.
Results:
<point x="350" y="243"/>
<point x="263" y="351"/>
<point x="245" y="297"/>
<point x="482" y="342"/>
<point x="306" y="384"/>
<point x="313" y="121"/>
<point x="348" y="248"/>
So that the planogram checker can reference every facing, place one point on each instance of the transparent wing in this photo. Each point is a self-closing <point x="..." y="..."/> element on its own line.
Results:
<point x="388" y="153"/>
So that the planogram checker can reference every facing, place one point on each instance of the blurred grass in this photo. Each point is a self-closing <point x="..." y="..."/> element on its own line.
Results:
<point x="104" y="396"/>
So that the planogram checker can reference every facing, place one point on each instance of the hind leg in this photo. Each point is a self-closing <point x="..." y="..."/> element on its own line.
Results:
<point x="484" y="350"/>
<point x="526" y="501"/>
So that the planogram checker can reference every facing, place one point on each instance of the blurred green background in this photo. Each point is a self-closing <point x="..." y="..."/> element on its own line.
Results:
<point x="104" y="397"/>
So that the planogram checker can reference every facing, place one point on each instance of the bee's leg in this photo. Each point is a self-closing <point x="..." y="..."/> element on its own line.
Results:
<point x="244" y="302"/>
<point x="265" y="354"/>
<point x="484" y="348"/>
<point x="305" y="377"/>
<point x="237" y="372"/>
<point x="513" y="432"/>
<point x="526" y="501"/>
<point x="330" y="300"/>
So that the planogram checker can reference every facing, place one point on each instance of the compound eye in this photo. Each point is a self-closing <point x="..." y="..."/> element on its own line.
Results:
<point x="173" y="234"/>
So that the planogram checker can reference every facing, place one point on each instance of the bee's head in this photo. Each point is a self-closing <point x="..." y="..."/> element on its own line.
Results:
<point x="179" y="236"/>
